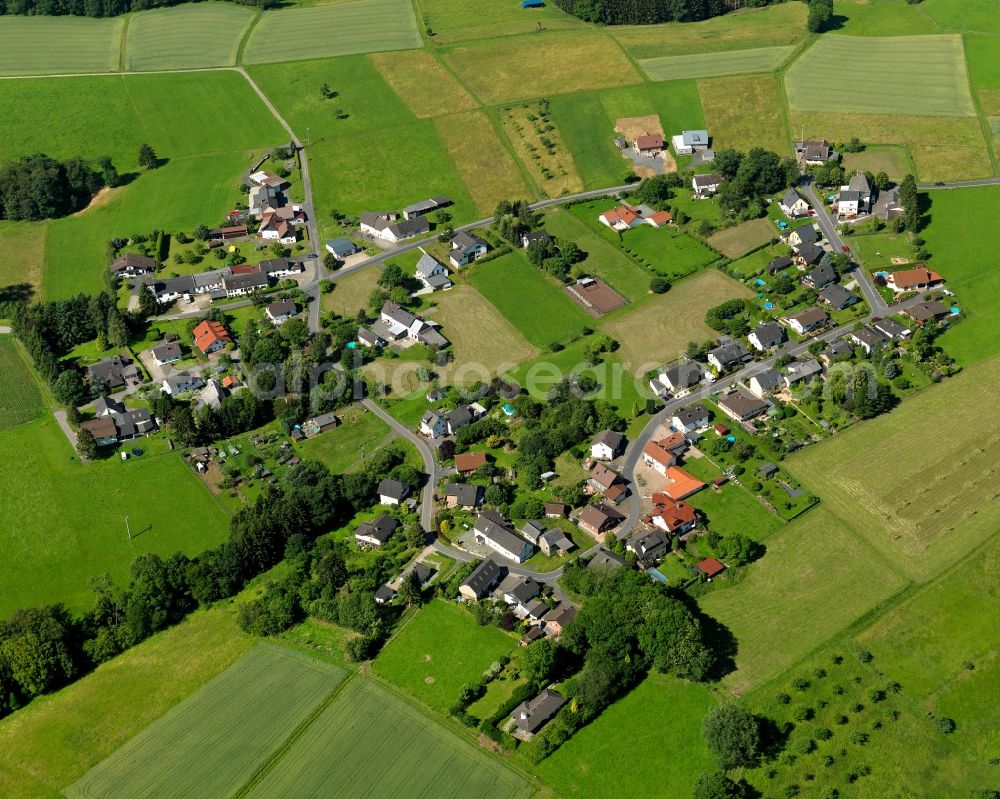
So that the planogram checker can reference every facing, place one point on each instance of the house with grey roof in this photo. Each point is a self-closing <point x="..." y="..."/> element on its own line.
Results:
<point x="533" y="714"/>
<point x="377" y="532"/>
<point x="608" y="445"/>
<point x="891" y="328"/>
<point x="690" y="419"/>
<point x="809" y="254"/>
<point x="741" y="405"/>
<point x="493" y="530"/>
<point x="281" y="311"/>
<point x="766" y="336"/>
<point x="763" y="384"/>
<point x="778" y="264"/>
<point x="820" y="277"/>
<point x="467" y="496"/>
<point x="244" y="283"/>
<point x="392" y="492"/>
<point x="802" y="371"/>
<point x="807" y="234"/>
<point x="341" y="248"/>
<point x="131" y="264"/>
<point x="837" y="297"/>
<point x="168" y="352"/>
<point x="855" y="198"/>
<point x="688" y="141"/>
<point x="606" y="559"/>
<point x="481" y="580"/>
<point x="815" y="151"/>
<point x="649" y="545"/>
<point x="887" y="205"/>
<point x="792" y="205"/>
<point x="869" y="340"/>
<point x="180" y="382"/>
<point x="681" y="376"/>
<point x="427" y="206"/>
<point x="431" y="273"/>
<point x="808" y="320"/>
<point x="211" y="395"/>
<point x="466" y="248"/>
<point x="555" y="542"/>
<point x="728" y="355"/>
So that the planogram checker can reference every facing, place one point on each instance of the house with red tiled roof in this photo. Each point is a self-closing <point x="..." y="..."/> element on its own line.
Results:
<point x="648" y="144"/>
<point x="681" y="484"/>
<point x="658" y="218"/>
<point x="468" y="462"/>
<point x="620" y="218"/>
<point x="710" y="567"/>
<point x="211" y="336"/>
<point x="920" y="278"/>
<point x="676" y="518"/>
<point x="659" y="455"/>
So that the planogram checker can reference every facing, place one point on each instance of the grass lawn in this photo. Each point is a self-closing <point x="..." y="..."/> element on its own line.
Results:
<point x="929" y="77"/>
<point x="527" y="298"/>
<point x="57" y="738"/>
<point x="744" y="112"/>
<point x="893" y="160"/>
<point x="340" y="448"/>
<point x="423" y="83"/>
<point x="186" y="37"/>
<point x="439" y="650"/>
<point x="89" y="503"/>
<point x="451" y="21"/>
<point x="466" y="137"/>
<point x="366" y="26"/>
<point x="920" y="518"/>
<point x="740" y="239"/>
<point x="350" y="293"/>
<point x="559" y="62"/>
<point x="892" y="18"/>
<point x="963" y="256"/>
<point x="780" y="24"/>
<point x="661" y="719"/>
<point x="219" y="736"/>
<point x="709" y="65"/>
<point x="659" y="330"/>
<point x="42" y="45"/>
<point x="20" y="401"/>
<point x="484" y="343"/>
<point x="964" y="15"/>
<point x="22" y="255"/>
<point x="587" y="123"/>
<point x="382" y="746"/>
<point x="497" y="692"/>
<point x="815" y="579"/>
<point x="735" y="510"/>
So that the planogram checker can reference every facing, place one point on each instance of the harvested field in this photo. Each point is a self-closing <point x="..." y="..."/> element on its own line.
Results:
<point x="541" y="148"/>
<point x="659" y="330"/>
<point x="186" y="37"/>
<point x="450" y="21"/>
<point x="42" y="45"/>
<point x="708" y="65"/>
<point x="426" y="86"/>
<point x="738" y="240"/>
<point x="745" y="112"/>
<point x="921" y="517"/>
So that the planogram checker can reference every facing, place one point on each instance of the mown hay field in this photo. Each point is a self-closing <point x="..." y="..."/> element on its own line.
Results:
<point x="707" y="65"/>
<point x="924" y="512"/>
<point x="927" y="77"/>
<point x="372" y="743"/>
<point x="350" y="293"/>
<point x="367" y="26"/>
<point x="53" y="45"/>
<point x="22" y="255"/>
<point x="423" y="83"/>
<point x="214" y="741"/>
<point x="451" y="21"/>
<point x="744" y="112"/>
<point x="186" y="37"/>
<point x="20" y="401"/>
<point x="891" y="159"/>
<point x="740" y="239"/>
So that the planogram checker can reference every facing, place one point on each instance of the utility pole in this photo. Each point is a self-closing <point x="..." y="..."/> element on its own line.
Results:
<point x="128" y="529"/>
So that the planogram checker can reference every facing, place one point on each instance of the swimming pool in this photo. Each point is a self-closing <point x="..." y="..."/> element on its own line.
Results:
<point x="759" y="282"/>
<point x="768" y="306"/>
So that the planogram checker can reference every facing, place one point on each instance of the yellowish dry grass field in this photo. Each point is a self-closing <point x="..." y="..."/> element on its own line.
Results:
<point x="504" y="71"/>
<point x="351" y="292"/>
<point x="479" y="335"/>
<point x="942" y="148"/>
<point x="426" y="86"/>
<point x="936" y="458"/>
<point x="659" y="330"/>
<point x="816" y="578"/>
<point x="740" y="239"/>
<point x="893" y="160"/>
<point x="744" y="112"/>
<point x="554" y="173"/>
<point x="22" y="254"/>
<point x="484" y="164"/>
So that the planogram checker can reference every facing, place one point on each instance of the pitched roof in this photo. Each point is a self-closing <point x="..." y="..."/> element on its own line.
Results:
<point x="682" y="483"/>
<point x="620" y="214"/>
<point x="609" y="438"/>
<point x="649" y="141"/>
<point x="605" y="558"/>
<point x="494" y="527"/>
<point x="837" y="296"/>
<point x="789" y="198"/>
<point x="821" y="276"/>
<point x="208" y="333"/>
<point x="675" y="513"/>
<point x="742" y="404"/>
<point x="692" y="414"/>
<point x="685" y="375"/>
<point x="465" y="494"/>
<point x="600" y="516"/>
<point x="918" y="276"/>
<point x="132" y="260"/>
<point x="660" y="453"/>
<point x="769" y="334"/>
<point x="810" y="317"/>
<point x="702" y="181"/>
<point x="603" y="476"/>
<point x="806" y="234"/>
<point x="768" y="379"/>
<point x="281" y="308"/>
<point x="469" y="461"/>
<point x="381" y="529"/>
<point x="710" y="567"/>
<point x="484" y="575"/>
<point x="394" y="489"/>
<point x="532" y="715"/>
<point x="427" y="265"/>
<point x="925" y="311"/>
<point x="730" y="353"/>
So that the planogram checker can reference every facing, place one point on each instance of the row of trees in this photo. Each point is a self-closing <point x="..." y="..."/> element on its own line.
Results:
<point x="40" y="187"/>
<point x="650" y="12"/>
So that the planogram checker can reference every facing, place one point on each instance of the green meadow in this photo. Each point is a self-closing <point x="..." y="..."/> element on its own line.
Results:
<point x="53" y="45"/>
<point x="186" y="37"/>
<point x="710" y="65"/>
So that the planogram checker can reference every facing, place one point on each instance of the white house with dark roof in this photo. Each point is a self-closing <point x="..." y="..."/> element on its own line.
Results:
<point x="792" y="205"/>
<point x="763" y="384"/>
<point x="168" y="352"/>
<point x="706" y="185"/>
<point x="493" y="530"/>
<point x="466" y="248"/>
<point x="392" y="492"/>
<point x="690" y="419"/>
<point x="680" y="377"/>
<point x="766" y="336"/>
<point x="281" y="311"/>
<point x="728" y="355"/>
<point x="808" y="320"/>
<point x="607" y="445"/>
<point x="431" y="273"/>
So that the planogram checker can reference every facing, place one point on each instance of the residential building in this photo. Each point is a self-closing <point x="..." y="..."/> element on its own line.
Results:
<point x="436" y="424"/>
<point x="855" y="199"/>
<point x="467" y="462"/>
<point x="891" y="328"/>
<point x="838" y="351"/>
<point x="706" y="185"/>
<point x="392" y="492"/>
<point x="672" y="516"/>
<point x="598" y="519"/>
<point x="710" y="567"/>
<point x="778" y="264"/>
<point x="132" y="264"/>
<point x="688" y="141"/>
<point x="766" y="336"/>
<point x="105" y="406"/>
<point x="808" y="255"/>
<point x="681" y="484"/>
<point x="239" y="285"/>
<point x="168" y="352"/>
<point x="481" y="580"/>
<point x="608" y="445"/>
<point x="620" y="218"/>
<point x="341" y="248"/>
<point x="280" y="312"/>
<point x="648" y="144"/>
<point x="726" y="356"/>
<point x="815" y="151"/>
<point x="887" y="206"/>
<point x="602" y="479"/>
<point x="385" y="226"/>
<point x="278" y="267"/>
<point x="837" y="297"/>
<point x="119" y="425"/>
<point x="554" y="510"/>
<point x="377" y="532"/>
<point x="113" y="373"/>
<point x="604" y="559"/>
<point x="920" y="278"/>
<point x="384" y="594"/>
<point x="541" y="236"/>
<point x="662" y="454"/>
<point x="557" y="618"/>
<point x="792" y="205"/>
<point x="802" y="371"/>
<point x="820" y="276"/>
<point x="764" y="383"/>
<point x="494" y="531"/>
<point x="683" y="376"/>
<point x="555" y="542"/>
<point x="869" y="340"/>
<point x="690" y="419"/>
<point x="467" y="496"/>
<point x="431" y="273"/>
<point x="466" y="248"/>
<point x="807" y="234"/>
<point x="180" y="382"/>
<point x="808" y="320"/>
<point x="649" y="545"/>
<point x="530" y="716"/>
<point x="210" y="336"/>
<point x="741" y="405"/>
<point x="211" y="395"/>
<point x="267" y="178"/>
<point x="319" y="424"/>
<point x="924" y="312"/>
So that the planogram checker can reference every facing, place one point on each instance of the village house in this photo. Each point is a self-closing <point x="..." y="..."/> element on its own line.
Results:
<point x="648" y="545"/>
<point x="280" y="312"/>
<point x="726" y="356"/>
<point x="607" y="482"/>
<point x="838" y="351"/>
<point x="468" y="462"/>
<point x="807" y="234"/>
<point x="392" y="492"/>
<point x="210" y="336"/>
<point x="555" y="542"/>
<point x="319" y="424"/>
<point x="690" y="419"/>
<point x="263" y="198"/>
<point x="681" y="484"/>
<point x="681" y="377"/>
<point x="383" y="225"/>
<point x="432" y="274"/>
<point x="375" y="533"/>
<point x="688" y="141"/>
<point x="891" y="328"/>
<point x="792" y="205"/>
<point x="436" y="424"/>
<point x="648" y="144"/>
<point x="482" y="580"/>
<point x="741" y="405"/>
<point x="467" y="496"/>
<point x="924" y="312"/>
<point x="820" y="276"/>
<point x="869" y="340"/>
<point x="114" y="373"/>
<point x="168" y="352"/>
<point x="530" y="716"/>
<point x="706" y="185"/>
<point x="608" y="445"/>
<point x="887" y="206"/>
<point x="554" y="510"/>
<point x="766" y="336"/>
<point x="808" y="320"/>
<point x="116" y="424"/>
<point x="341" y="248"/>
<point x="763" y="384"/>
<point x="855" y="199"/>
<point x="675" y="517"/>
<point x="599" y="519"/>
<point x="265" y="177"/>
<point x="920" y="278"/>
<point x="494" y="531"/>
<point x="802" y="371"/>
<point x="274" y="228"/>
<point x="604" y="559"/>
<point x="662" y="454"/>
<point x="837" y="297"/>
<point x="778" y="264"/>
<point x="423" y="207"/>
<point x="466" y="248"/>
<point x="541" y="236"/>
<point x="710" y="567"/>
<point x="808" y="255"/>
<point x="132" y="264"/>
<point x="620" y="218"/>
<point x="396" y="323"/>
<point x="815" y="152"/>
<point x="211" y="395"/>
<point x="180" y="382"/>
<point x="239" y="285"/>
<point x="557" y="618"/>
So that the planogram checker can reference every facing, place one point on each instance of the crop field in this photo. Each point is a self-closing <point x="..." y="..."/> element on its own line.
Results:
<point x="659" y="330"/>
<point x="51" y="45"/>
<point x="186" y="37"/>
<point x="559" y="63"/>
<point x="372" y="743"/>
<point x="744" y="112"/>
<point x="20" y="401"/>
<point x="587" y="123"/>
<point x="22" y="253"/>
<point x="481" y="338"/>
<point x="214" y="740"/>
<point x="963" y="256"/>
<point x="661" y="718"/>
<point x="604" y="259"/>
<point x="781" y="24"/>
<point x="740" y="239"/>
<point x="540" y="146"/>
<point x="928" y="77"/>
<point x="892" y="160"/>
<point x="816" y="578"/>
<point x="919" y="516"/>
<point x="55" y="740"/>
<point x="438" y="651"/>
<point x="467" y="137"/>
<point x="426" y="86"/>
<point x="366" y="26"/>
<point x="46" y="563"/>
<point x="532" y="302"/>
<point x="341" y="447"/>
<point x="709" y="65"/>
<point x="451" y="21"/>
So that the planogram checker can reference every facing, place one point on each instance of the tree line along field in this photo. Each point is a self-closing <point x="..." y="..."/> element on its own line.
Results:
<point x="20" y="401"/>
<point x="214" y="740"/>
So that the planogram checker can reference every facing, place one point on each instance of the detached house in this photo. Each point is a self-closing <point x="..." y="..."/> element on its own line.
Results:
<point x="494" y="531"/>
<point x="924" y="312"/>
<point x="608" y="445"/>
<point x="607" y="482"/>
<point x="119" y="424"/>
<point x="779" y="264"/>
<point x="792" y="205"/>
<point x="807" y="234"/>
<point x="766" y="336"/>
<point x="815" y="151"/>
<point x="837" y="297"/>
<point x="661" y="455"/>
<point x="891" y="328"/>
<point x="467" y="496"/>
<point x="530" y="716"/>
<point x="799" y="371"/>
<point x="436" y="424"/>
<point x="620" y="218"/>
<point x="690" y="419"/>
<point x="384" y="225"/>
<point x="431" y="273"/>
<point x="869" y="340"/>
<point x="649" y="545"/>
<point x="180" y="382"/>
<point x="281" y="312"/>
<point x="168" y="352"/>
<point x="920" y="278"/>
<point x="765" y="383"/>
<point x="819" y="277"/>
<point x="648" y="144"/>
<point x="682" y="376"/>
<point x="741" y="405"/>
<point x="726" y="356"/>
<point x="392" y="492"/>
<point x="466" y="248"/>
<point x="211" y="336"/>
<point x="482" y="580"/>
<point x="132" y="264"/>
<point x="855" y="198"/>
<point x="672" y="516"/>
<point x="808" y="320"/>
<point x="598" y="519"/>
<point x="706" y="185"/>
<point x="114" y="372"/>
<point x="887" y="206"/>
<point x="375" y="533"/>
<point x="688" y="141"/>
<point x="809" y="255"/>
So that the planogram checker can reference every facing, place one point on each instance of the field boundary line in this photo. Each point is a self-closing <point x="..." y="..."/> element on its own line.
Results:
<point x="300" y="729"/>
<point x="242" y="46"/>
<point x="123" y="44"/>
<point x="983" y="123"/>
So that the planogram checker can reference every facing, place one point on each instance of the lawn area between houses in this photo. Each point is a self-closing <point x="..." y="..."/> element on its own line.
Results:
<point x="740" y="239"/>
<point x="350" y="293"/>
<point x="190" y="36"/>
<point x="52" y="742"/>
<point x="527" y="298"/>
<point x="815" y="579"/>
<point x="439" y="650"/>
<point x="366" y="26"/>
<point x="661" y="720"/>
<point x="65" y="521"/>
<point x="708" y="65"/>
<point x="341" y="447"/>
<point x="733" y="509"/>
<point x="43" y="45"/>
<point x="744" y="112"/>
<point x="658" y="331"/>
<point x="218" y="737"/>
<point x="917" y="516"/>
